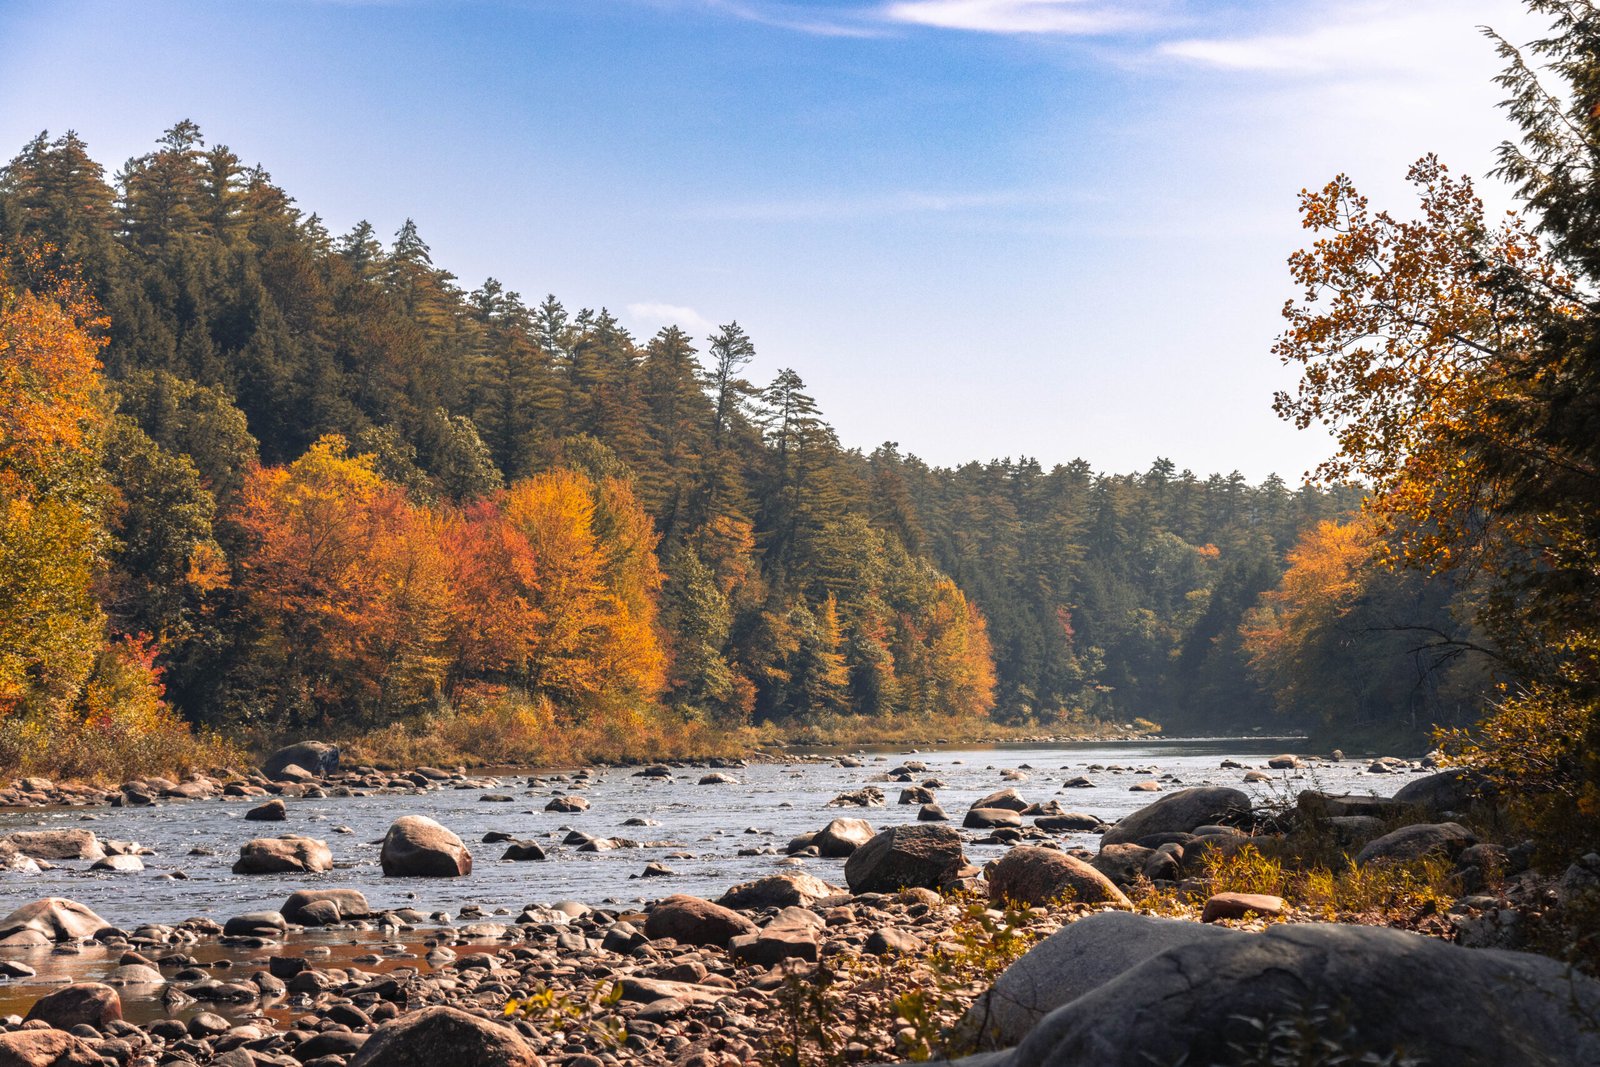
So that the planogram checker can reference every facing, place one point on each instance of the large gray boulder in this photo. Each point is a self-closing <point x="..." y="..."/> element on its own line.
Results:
<point x="1447" y="840"/>
<point x="56" y="844"/>
<point x="905" y="857"/>
<point x="347" y="904"/>
<point x="1075" y="960"/>
<point x="693" y="921"/>
<point x="49" y="920"/>
<point x="435" y="1036"/>
<point x="1376" y="989"/>
<point x="289" y="854"/>
<point x="46" y="1048"/>
<point x="1042" y="876"/>
<point x="781" y="890"/>
<point x="318" y="757"/>
<point x="1452" y="790"/>
<point x="1181" y="812"/>
<point x="841" y="837"/>
<point x="417" y="846"/>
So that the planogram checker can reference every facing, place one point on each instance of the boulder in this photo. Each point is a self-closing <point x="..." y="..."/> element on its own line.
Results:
<point x="46" y="1048"/>
<point x="56" y="844"/>
<point x="931" y="813"/>
<point x="350" y="904"/>
<point x="1206" y="1000"/>
<point x="1073" y="961"/>
<point x="272" y="811"/>
<point x="904" y="857"/>
<point x="1445" y="839"/>
<point x="1181" y="812"/>
<point x="916" y="794"/>
<point x="290" y="854"/>
<point x="1008" y="799"/>
<point x="256" y="924"/>
<point x="787" y="889"/>
<point x="693" y="921"/>
<point x="718" y="778"/>
<point x="989" y="818"/>
<point x="416" y="846"/>
<point x="318" y="757"/>
<point x="1068" y="822"/>
<point x="1042" y="876"/>
<point x="440" y="1035"/>
<point x="1123" y="864"/>
<point x="842" y="837"/>
<point x="122" y="864"/>
<point x="567" y="805"/>
<point x="94" y="1003"/>
<point x="890" y="941"/>
<point x="49" y="920"/>
<point x="523" y="851"/>
<point x="1452" y="790"/>
<point x="790" y="936"/>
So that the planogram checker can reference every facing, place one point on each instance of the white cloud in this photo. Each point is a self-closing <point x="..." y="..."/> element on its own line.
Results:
<point x="1406" y="38"/>
<point x="648" y="317"/>
<point x="1067" y="17"/>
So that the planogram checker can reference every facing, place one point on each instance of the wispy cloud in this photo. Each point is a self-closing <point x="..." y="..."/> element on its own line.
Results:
<point x="647" y="317"/>
<point x="903" y="202"/>
<point x="846" y="22"/>
<point x="1350" y="40"/>
<point x="1079" y="18"/>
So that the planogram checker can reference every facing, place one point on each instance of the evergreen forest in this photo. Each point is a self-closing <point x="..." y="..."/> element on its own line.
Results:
<point x="290" y="481"/>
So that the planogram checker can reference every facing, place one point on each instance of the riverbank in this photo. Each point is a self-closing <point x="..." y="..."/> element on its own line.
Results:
<point x="915" y="947"/>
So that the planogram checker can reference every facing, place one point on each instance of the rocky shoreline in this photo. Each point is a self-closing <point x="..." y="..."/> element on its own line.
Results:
<point x="1052" y="952"/>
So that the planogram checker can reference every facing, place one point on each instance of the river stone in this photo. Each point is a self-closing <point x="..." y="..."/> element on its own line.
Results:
<point x="440" y="1035"/>
<point x="49" y="920"/>
<point x="1460" y="1006"/>
<point x="1039" y="877"/>
<point x="1315" y="805"/>
<point x="841" y="837"/>
<point x="273" y="810"/>
<point x="866" y="797"/>
<point x="1445" y="839"/>
<point x="693" y="921"/>
<point x="1008" y="799"/>
<point x="122" y="864"/>
<point x="905" y="857"/>
<point x="135" y="974"/>
<point x="351" y="904"/>
<point x="1181" y="812"/>
<point x="256" y="924"/>
<point x="1239" y="906"/>
<point x="56" y="844"/>
<point x="989" y="818"/>
<point x="1123" y="864"/>
<point x="94" y="1003"/>
<point x="1068" y="822"/>
<point x="786" y="889"/>
<point x="417" y="846"/>
<point x="931" y="813"/>
<point x="523" y="851"/>
<point x="1074" y="960"/>
<point x="46" y="1048"/>
<point x="1452" y="790"/>
<point x="318" y="757"/>
<point x="290" y="854"/>
<point x="916" y="794"/>
<point x="567" y="805"/>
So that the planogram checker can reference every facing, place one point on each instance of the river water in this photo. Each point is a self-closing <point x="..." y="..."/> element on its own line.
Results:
<point x="701" y="828"/>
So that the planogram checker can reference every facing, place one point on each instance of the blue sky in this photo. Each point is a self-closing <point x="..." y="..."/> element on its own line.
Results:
<point x="980" y="228"/>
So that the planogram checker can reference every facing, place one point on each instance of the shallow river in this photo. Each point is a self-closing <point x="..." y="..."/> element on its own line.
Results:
<point x="770" y="804"/>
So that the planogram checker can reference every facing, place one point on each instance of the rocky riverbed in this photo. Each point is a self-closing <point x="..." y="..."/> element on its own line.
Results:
<point x="861" y="931"/>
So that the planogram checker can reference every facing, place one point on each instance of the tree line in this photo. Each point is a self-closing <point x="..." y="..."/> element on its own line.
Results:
<point x="335" y="489"/>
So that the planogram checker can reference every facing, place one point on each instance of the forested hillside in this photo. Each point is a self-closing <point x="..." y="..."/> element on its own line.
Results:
<point x="340" y="489"/>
